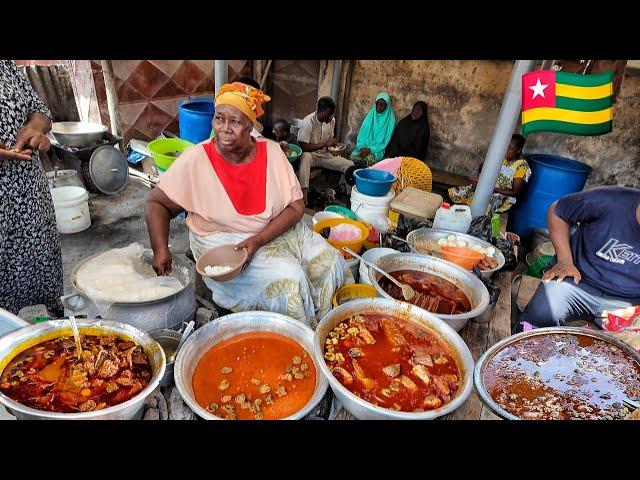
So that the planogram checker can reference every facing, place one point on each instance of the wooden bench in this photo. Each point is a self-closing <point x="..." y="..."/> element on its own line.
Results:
<point x="449" y="178"/>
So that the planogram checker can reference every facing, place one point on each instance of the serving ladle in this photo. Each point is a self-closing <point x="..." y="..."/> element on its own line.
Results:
<point x="407" y="292"/>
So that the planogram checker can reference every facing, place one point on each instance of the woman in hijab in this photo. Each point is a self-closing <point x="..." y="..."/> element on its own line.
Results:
<point x="375" y="132"/>
<point x="411" y="137"/>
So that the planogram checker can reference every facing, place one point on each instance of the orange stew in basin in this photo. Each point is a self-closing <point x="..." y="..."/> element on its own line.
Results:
<point x="256" y="375"/>
<point x="392" y="363"/>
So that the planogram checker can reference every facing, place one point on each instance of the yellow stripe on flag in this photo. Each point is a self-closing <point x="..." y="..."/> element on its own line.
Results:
<point x="585" y="93"/>
<point x="571" y="116"/>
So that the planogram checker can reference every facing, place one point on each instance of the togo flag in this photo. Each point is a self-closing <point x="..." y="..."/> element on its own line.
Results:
<point x="567" y="102"/>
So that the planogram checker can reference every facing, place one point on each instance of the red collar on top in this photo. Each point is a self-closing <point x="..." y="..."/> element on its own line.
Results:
<point x="246" y="184"/>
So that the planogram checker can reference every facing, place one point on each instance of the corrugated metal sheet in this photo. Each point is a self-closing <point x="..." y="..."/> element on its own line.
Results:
<point x="53" y="84"/>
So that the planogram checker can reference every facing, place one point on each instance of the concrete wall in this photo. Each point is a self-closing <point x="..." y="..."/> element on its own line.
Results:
<point x="464" y="98"/>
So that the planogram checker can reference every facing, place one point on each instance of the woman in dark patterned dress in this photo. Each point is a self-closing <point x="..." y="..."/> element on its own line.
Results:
<point x="30" y="255"/>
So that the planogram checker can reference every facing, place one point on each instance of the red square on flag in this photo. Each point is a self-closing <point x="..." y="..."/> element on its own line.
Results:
<point x="539" y="89"/>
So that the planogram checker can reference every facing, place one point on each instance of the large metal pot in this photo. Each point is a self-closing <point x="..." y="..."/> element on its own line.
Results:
<point x="167" y="312"/>
<point x="423" y="234"/>
<point x="364" y="410"/>
<point x="466" y="281"/>
<point x="18" y="340"/>
<point x="484" y="360"/>
<point x="229" y="326"/>
<point x="77" y="134"/>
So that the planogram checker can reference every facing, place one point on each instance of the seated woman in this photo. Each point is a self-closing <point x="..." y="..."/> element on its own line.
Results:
<point x="375" y="132"/>
<point x="514" y="174"/>
<point x="411" y="136"/>
<point x="242" y="190"/>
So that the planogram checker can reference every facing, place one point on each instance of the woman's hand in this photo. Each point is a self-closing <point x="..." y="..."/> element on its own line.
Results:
<point x="364" y="152"/>
<point x="252" y="244"/>
<point x="30" y="137"/>
<point x="562" y="270"/>
<point x="162" y="262"/>
<point x="13" y="154"/>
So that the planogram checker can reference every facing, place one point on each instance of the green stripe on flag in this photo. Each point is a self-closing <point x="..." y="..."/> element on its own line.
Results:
<point x="566" y="127"/>
<point x="578" y="80"/>
<point x="581" y="105"/>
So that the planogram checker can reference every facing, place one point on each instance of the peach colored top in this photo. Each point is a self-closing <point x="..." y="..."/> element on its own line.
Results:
<point x="192" y="183"/>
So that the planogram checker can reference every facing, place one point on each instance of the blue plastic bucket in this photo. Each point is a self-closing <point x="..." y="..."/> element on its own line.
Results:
<point x="194" y="118"/>
<point x="552" y="177"/>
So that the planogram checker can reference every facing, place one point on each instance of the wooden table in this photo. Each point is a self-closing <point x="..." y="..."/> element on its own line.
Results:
<point x="478" y="337"/>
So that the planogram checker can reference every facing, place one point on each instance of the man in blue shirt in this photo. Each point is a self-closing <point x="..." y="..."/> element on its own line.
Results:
<point x="598" y="266"/>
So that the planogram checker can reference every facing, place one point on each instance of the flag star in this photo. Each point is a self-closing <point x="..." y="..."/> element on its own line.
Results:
<point x="538" y="89"/>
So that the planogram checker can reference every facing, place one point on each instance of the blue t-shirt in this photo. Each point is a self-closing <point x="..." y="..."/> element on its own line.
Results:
<point x="606" y="245"/>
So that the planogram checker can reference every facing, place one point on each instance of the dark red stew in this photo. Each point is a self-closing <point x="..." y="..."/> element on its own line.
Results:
<point x="563" y="377"/>
<point x="49" y="376"/>
<point x="392" y="363"/>
<point x="434" y="294"/>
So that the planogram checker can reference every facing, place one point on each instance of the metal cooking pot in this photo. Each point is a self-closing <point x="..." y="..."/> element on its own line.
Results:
<point x="77" y="134"/>
<point x="201" y="341"/>
<point x="167" y="312"/>
<point x="364" y="410"/>
<point x="18" y="340"/>
<point x="489" y="354"/>
<point x="466" y="281"/>
<point x="422" y="234"/>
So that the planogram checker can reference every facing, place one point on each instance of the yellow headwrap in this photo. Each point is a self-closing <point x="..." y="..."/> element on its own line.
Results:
<point x="245" y="98"/>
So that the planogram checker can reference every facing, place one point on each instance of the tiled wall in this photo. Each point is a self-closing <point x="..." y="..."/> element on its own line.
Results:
<point x="149" y="91"/>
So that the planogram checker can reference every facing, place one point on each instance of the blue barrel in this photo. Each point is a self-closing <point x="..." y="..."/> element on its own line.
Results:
<point x="552" y="177"/>
<point x="194" y="118"/>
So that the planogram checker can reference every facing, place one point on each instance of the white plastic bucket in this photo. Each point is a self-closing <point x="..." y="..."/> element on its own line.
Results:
<point x="372" y="210"/>
<point x="353" y="264"/>
<point x="371" y="256"/>
<point x="72" y="209"/>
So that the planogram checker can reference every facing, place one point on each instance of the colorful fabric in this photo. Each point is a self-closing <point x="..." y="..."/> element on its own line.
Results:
<point x="567" y="103"/>
<point x="192" y="183"/>
<point x="244" y="97"/>
<point x="245" y="184"/>
<point x="296" y="275"/>
<point x="376" y="130"/>
<point x="498" y="203"/>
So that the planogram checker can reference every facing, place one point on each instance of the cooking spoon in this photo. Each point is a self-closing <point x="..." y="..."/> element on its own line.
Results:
<point x="187" y="331"/>
<point x="76" y="336"/>
<point x="407" y="292"/>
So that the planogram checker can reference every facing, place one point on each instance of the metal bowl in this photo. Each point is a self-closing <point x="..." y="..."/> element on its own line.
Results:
<point x="364" y="410"/>
<point x="77" y="134"/>
<point x="18" y="340"/>
<point x="182" y="270"/>
<point x="168" y="340"/>
<point x="422" y="234"/>
<point x="484" y="360"/>
<point x="229" y="326"/>
<point x="466" y="281"/>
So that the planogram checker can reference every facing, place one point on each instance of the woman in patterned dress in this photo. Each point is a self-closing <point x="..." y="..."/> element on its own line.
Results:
<point x="242" y="190"/>
<point x="30" y="255"/>
<point x="514" y="173"/>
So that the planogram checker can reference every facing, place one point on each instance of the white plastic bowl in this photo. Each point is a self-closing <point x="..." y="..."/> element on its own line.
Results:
<point x="324" y="215"/>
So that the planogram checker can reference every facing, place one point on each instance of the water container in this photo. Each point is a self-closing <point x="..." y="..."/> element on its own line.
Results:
<point x="372" y="210"/>
<point x="194" y="118"/>
<point x="457" y="218"/>
<point x="552" y="177"/>
<point x="71" y="206"/>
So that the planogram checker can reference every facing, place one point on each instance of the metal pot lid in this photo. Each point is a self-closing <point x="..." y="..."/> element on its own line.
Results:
<point x="108" y="169"/>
